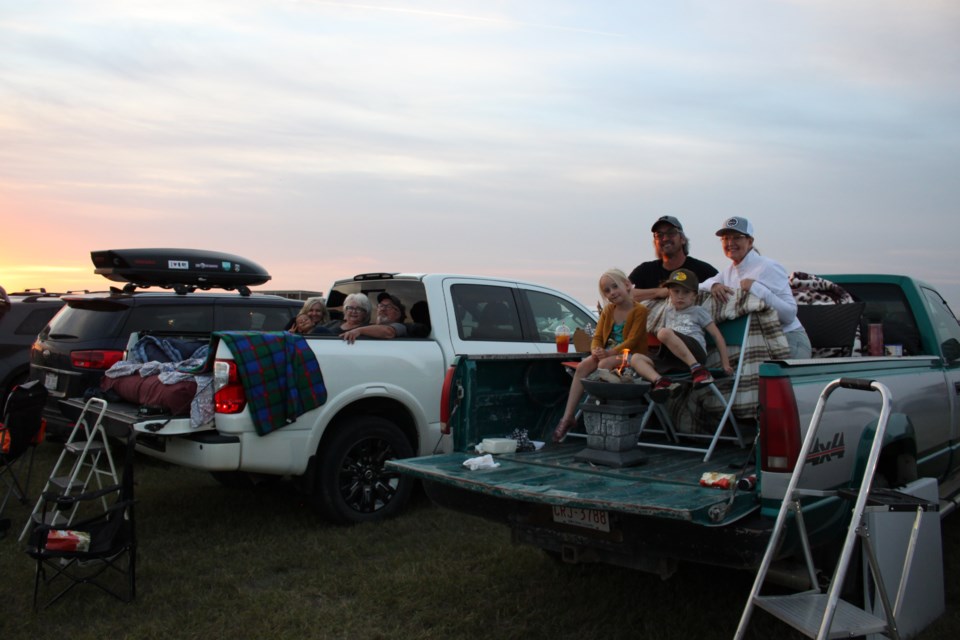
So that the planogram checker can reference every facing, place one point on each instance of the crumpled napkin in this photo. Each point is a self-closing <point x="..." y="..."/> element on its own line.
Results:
<point x="480" y="462"/>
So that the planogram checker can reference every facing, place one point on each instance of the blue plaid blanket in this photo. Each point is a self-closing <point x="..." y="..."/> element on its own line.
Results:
<point x="279" y="372"/>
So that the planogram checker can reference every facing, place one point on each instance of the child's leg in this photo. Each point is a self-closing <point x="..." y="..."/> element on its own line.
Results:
<point x="567" y="422"/>
<point x="643" y="365"/>
<point x="677" y="347"/>
<point x="585" y="368"/>
<point x="663" y="387"/>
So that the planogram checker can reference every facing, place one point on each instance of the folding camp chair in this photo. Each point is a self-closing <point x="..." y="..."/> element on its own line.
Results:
<point x="831" y="325"/>
<point x="94" y="549"/>
<point x="20" y="431"/>
<point x="735" y="333"/>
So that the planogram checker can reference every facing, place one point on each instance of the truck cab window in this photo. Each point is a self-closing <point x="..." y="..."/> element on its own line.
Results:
<point x="485" y="312"/>
<point x="944" y="322"/>
<point x="549" y="311"/>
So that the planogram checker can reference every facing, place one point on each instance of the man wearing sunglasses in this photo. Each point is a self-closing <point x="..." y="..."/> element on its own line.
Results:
<point x="671" y="246"/>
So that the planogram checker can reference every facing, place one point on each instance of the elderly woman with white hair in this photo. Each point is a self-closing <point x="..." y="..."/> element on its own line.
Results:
<point x="763" y="277"/>
<point x="356" y="313"/>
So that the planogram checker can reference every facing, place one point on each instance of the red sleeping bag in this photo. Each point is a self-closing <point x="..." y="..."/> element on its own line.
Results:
<point x="150" y="392"/>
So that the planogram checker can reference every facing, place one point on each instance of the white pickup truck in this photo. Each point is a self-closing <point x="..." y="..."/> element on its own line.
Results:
<point x="383" y="396"/>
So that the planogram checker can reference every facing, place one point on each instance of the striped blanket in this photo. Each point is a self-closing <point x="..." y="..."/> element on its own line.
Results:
<point x="279" y="372"/>
<point x="699" y="410"/>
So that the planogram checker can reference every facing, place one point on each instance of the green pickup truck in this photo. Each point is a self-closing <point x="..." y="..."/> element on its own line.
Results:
<point x="652" y="515"/>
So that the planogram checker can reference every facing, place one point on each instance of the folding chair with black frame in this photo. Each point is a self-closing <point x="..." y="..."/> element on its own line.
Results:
<point x="21" y="429"/>
<point x="93" y="548"/>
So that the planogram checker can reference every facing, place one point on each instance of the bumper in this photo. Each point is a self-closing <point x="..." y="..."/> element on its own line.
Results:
<point x="208" y="451"/>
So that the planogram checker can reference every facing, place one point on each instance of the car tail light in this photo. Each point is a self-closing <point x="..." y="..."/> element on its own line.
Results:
<point x="446" y="409"/>
<point x="228" y="396"/>
<point x="779" y="425"/>
<point x="100" y="359"/>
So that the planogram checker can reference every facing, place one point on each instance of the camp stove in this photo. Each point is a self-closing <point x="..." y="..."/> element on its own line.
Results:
<point x="612" y="417"/>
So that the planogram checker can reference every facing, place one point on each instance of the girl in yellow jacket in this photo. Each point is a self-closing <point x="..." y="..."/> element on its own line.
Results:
<point x="622" y="326"/>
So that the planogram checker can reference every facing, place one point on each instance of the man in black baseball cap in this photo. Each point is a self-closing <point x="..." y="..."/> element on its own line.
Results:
<point x="671" y="246"/>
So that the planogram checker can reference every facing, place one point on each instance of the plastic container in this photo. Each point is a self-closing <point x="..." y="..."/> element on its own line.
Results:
<point x="499" y="445"/>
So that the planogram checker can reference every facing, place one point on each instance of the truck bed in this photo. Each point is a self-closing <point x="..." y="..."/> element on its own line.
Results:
<point x="666" y="485"/>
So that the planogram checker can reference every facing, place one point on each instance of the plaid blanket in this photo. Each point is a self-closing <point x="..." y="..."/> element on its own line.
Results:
<point x="699" y="410"/>
<point x="279" y="372"/>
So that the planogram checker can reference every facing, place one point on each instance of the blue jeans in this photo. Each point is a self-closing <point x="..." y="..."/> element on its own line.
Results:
<point x="799" y="344"/>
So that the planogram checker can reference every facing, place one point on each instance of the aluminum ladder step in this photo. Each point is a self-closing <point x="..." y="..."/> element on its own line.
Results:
<point x="805" y="612"/>
<point x="80" y="445"/>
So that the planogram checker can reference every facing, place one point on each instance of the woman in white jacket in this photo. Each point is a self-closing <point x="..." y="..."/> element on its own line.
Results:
<point x="763" y="277"/>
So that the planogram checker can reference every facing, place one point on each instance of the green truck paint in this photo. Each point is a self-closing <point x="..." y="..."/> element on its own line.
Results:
<point x="656" y="514"/>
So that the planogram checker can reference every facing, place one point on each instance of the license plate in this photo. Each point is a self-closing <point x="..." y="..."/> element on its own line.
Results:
<point x="50" y="381"/>
<point x="587" y="518"/>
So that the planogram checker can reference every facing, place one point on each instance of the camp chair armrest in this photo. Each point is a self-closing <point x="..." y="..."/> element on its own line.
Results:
<point x="41" y="530"/>
<point x="64" y="502"/>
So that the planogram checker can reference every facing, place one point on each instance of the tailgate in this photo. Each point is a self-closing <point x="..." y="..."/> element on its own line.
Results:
<point x="120" y="417"/>
<point x="666" y="485"/>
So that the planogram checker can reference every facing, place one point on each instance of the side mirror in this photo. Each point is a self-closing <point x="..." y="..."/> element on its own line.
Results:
<point x="951" y="350"/>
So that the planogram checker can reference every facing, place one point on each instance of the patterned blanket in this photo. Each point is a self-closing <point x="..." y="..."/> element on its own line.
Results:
<point x="699" y="410"/>
<point x="279" y="372"/>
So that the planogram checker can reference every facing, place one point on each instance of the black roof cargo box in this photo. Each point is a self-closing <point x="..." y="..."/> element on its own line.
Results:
<point x="180" y="269"/>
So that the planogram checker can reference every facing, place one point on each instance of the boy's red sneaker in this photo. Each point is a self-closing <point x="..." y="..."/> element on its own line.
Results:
<point x="663" y="389"/>
<point x="701" y="377"/>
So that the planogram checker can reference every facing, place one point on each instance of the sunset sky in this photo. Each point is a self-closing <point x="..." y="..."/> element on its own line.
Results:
<point x="529" y="139"/>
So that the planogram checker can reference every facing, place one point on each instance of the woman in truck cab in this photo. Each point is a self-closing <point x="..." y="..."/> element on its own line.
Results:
<point x="356" y="313"/>
<point x="762" y="276"/>
<point x="313" y="314"/>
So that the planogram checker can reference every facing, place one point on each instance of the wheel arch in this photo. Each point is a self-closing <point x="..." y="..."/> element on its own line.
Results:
<point x="897" y="463"/>
<point x="384" y="407"/>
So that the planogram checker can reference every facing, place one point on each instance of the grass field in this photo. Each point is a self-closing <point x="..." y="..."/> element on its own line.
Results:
<point x="222" y="563"/>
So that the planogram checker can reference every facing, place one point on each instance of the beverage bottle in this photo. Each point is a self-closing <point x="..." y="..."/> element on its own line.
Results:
<point x="875" y="339"/>
<point x="563" y="338"/>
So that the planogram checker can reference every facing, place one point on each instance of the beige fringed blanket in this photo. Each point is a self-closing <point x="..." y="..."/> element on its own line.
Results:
<point x="698" y="410"/>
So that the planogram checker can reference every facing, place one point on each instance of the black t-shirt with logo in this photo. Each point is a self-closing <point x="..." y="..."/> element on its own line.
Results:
<point x="650" y="275"/>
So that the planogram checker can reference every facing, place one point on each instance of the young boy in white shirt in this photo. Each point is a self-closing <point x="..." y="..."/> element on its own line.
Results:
<point x="682" y="338"/>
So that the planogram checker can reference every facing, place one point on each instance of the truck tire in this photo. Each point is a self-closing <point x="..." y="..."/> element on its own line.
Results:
<point x="895" y="469"/>
<point x="352" y="484"/>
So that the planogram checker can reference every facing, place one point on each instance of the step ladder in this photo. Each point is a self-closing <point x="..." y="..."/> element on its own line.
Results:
<point x="85" y="459"/>
<point x="824" y="615"/>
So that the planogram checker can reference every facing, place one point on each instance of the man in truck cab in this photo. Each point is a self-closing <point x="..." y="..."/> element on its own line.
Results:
<point x="672" y="247"/>
<point x="391" y="314"/>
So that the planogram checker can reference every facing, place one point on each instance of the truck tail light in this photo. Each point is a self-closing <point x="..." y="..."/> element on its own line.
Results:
<point x="446" y="408"/>
<point x="228" y="394"/>
<point x="99" y="359"/>
<point x="779" y="425"/>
